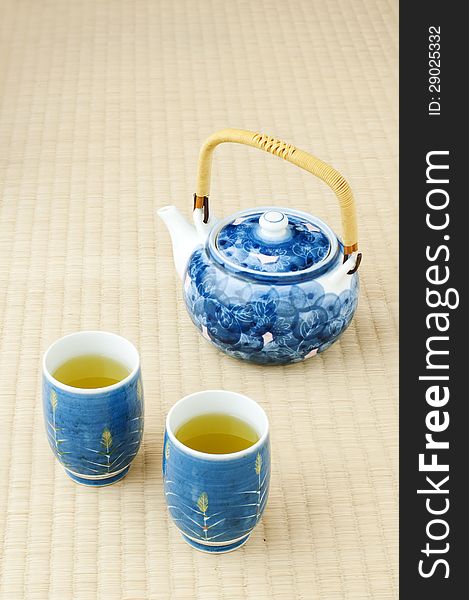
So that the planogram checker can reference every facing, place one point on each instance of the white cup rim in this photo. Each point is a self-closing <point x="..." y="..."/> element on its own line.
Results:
<point x="90" y="391"/>
<point x="218" y="457"/>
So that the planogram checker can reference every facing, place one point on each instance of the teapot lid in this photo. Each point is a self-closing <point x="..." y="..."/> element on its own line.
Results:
<point x="266" y="243"/>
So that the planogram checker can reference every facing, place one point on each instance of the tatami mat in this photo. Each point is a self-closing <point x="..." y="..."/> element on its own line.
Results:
<point x="104" y="105"/>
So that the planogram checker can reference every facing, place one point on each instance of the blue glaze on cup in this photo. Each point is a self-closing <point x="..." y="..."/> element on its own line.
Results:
<point x="216" y="500"/>
<point x="94" y="433"/>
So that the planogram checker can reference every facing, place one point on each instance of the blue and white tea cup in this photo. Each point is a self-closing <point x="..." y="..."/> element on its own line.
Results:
<point x="216" y="500"/>
<point x="94" y="433"/>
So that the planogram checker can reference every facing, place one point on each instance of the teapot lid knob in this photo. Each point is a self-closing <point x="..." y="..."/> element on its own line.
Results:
<point x="273" y="225"/>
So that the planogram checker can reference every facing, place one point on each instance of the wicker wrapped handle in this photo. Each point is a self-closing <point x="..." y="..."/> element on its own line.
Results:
<point x="298" y="157"/>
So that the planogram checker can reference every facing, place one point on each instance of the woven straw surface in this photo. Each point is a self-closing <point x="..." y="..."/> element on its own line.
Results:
<point x="104" y="106"/>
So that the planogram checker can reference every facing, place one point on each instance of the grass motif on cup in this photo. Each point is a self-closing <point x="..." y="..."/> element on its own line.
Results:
<point x="200" y="526"/>
<point x="53" y="432"/>
<point x="260" y="492"/>
<point x="199" y="519"/>
<point x="140" y="390"/>
<point x="114" y="458"/>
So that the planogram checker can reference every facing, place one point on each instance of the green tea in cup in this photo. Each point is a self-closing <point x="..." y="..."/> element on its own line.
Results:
<point x="217" y="433"/>
<point x="90" y="371"/>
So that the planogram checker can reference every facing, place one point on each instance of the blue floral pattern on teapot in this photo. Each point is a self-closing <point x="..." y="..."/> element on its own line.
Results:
<point x="265" y="323"/>
<point x="269" y="286"/>
<point x="241" y="242"/>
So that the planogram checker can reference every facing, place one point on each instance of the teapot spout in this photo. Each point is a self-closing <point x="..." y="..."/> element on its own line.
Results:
<point x="184" y="236"/>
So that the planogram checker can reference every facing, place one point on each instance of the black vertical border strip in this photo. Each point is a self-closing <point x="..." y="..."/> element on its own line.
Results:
<point x="420" y="134"/>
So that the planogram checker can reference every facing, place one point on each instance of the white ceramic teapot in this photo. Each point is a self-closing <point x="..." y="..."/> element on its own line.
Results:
<point x="269" y="285"/>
